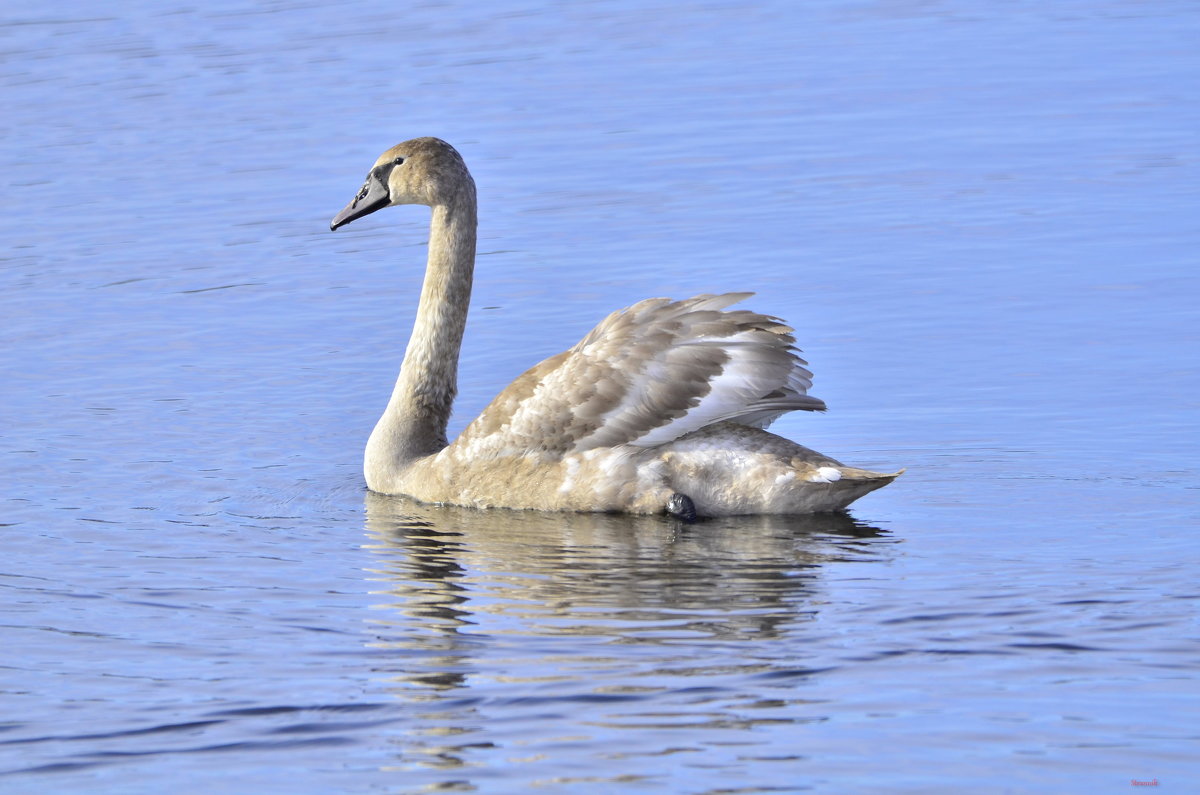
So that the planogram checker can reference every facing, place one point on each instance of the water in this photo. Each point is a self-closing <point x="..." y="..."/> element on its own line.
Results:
<point x="981" y="221"/>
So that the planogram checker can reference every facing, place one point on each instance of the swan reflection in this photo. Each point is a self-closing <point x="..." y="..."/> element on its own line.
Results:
<point x="497" y="618"/>
<point x="452" y="574"/>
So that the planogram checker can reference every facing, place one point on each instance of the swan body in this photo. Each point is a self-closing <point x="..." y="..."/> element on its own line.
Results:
<point x="662" y="407"/>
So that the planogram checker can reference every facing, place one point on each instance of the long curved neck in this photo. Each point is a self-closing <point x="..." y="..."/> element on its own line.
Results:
<point x="414" y="423"/>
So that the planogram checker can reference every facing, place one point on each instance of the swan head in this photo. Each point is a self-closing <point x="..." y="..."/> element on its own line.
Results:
<point x="425" y="171"/>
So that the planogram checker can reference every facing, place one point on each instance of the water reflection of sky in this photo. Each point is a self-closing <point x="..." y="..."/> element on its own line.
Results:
<point x="980" y="219"/>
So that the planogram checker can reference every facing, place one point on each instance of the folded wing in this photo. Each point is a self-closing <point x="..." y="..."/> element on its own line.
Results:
<point x="647" y="375"/>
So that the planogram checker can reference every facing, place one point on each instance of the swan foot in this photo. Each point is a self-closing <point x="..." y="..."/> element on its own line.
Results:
<point x="681" y="507"/>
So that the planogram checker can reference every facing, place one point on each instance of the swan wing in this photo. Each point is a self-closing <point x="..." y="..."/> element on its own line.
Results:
<point x="647" y="375"/>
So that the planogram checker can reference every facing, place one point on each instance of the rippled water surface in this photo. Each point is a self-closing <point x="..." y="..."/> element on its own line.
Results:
<point x="980" y="218"/>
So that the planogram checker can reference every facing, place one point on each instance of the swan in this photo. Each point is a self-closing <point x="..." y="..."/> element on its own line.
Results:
<point x="661" y="408"/>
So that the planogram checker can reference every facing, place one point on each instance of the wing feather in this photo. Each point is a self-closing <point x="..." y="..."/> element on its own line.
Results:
<point x="647" y="375"/>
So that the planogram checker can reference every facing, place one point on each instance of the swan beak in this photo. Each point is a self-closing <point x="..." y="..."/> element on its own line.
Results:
<point x="371" y="197"/>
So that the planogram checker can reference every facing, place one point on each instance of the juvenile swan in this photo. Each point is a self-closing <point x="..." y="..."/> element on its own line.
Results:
<point x="659" y="408"/>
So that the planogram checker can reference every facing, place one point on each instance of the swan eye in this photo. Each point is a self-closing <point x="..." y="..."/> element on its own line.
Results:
<point x="398" y="160"/>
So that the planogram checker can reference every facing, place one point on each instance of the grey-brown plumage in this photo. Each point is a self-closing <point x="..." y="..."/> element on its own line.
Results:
<point x="662" y="400"/>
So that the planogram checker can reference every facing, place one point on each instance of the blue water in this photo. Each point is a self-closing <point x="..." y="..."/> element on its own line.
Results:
<point x="981" y="219"/>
